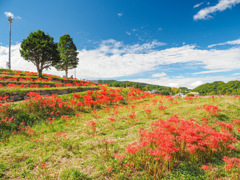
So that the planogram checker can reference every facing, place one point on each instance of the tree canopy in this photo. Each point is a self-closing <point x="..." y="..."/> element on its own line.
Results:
<point x="68" y="54"/>
<point x="40" y="49"/>
<point x="219" y="87"/>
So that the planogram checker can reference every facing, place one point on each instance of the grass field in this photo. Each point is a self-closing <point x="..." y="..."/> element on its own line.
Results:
<point x="91" y="143"/>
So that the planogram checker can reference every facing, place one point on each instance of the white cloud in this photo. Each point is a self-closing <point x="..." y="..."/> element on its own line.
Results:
<point x="128" y="33"/>
<point x="220" y="6"/>
<point x="236" y="74"/>
<point x="235" y="42"/>
<point x="9" y="14"/>
<point x="212" y="71"/>
<point x="120" y="14"/>
<point x="159" y="74"/>
<point x="114" y="59"/>
<point x="18" y="17"/>
<point x="197" y="5"/>
<point x="190" y="83"/>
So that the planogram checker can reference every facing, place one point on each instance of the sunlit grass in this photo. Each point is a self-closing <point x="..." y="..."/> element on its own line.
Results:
<point x="81" y="153"/>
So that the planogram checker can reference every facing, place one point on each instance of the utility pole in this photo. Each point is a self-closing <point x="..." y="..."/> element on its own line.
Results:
<point x="10" y="19"/>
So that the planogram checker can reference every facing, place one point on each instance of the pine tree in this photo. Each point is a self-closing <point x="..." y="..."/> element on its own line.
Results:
<point x="68" y="54"/>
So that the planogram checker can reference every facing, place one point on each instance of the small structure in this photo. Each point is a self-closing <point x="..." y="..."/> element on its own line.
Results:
<point x="155" y="92"/>
<point x="179" y="95"/>
<point x="194" y="93"/>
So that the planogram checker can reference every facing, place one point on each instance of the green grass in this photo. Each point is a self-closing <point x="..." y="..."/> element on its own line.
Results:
<point x="23" y="91"/>
<point x="80" y="155"/>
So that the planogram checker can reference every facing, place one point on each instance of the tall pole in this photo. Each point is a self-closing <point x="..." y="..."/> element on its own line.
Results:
<point x="10" y="19"/>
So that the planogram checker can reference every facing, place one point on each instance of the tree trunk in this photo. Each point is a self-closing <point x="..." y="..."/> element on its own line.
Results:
<point x="66" y="72"/>
<point x="39" y="71"/>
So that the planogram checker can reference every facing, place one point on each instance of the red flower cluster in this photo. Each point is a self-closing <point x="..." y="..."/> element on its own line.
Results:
<point x="212" y="110"/>
<point x="162" y="108"/>
<point x="225" y="126"/>
<point x="231" y="162"/>
<point x="61" y="133"/>
<point x="176" y="138"/>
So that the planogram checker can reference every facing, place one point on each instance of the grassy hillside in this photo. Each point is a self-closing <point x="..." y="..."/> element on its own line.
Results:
<point x="164" y="90"/>
<point x="95" y="142"/>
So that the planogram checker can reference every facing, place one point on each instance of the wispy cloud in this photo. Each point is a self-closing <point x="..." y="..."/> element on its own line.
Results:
<point x="128" y="33"/>
<point x="120" y="14"/>
<point x="235" y="42"/>
<point x="159" y="74"/>
<point x="212" y="71"/>
<point x="197" y="5"/>
<point x="220" y="6"/>
<point x="9" y="14"/>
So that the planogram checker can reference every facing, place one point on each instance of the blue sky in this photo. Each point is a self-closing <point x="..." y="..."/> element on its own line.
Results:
<point x="172" y="43"/>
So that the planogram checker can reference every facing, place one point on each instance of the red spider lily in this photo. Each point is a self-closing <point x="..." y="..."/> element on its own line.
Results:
<point x="92" y="126"/>
<point x="111" y="119"/>
<point x="89" y="93"/>
<point x="236" y="121"/>
<point x="58" y="85"/>
<point x="106" y="109"/>
<point x="212" y="110"/>
<point x="117" y="156"/>
<point x="64" y="118"/>
<point x="78" y="115"/>
<point x="175" y="138"/>
<point x="77" y="96"/>
<point x="162" y="108"/>
<point x="109" y="168"/>
<point x="51" y="121"/>
<point x="148" y="111"/>
<point x="116" y="112"/>
<point x="92" y="123"/>
<point x="105" y="141"/>
<point x="226" y="126"/>
<point x="133" y="106"/>
<point x="132" y="115"/>
<point x="95" y="114"/>
<point x="61" y="133"/>
<point x="189" y="99"/>
<point x="231" y="162"/>
<point x="205" y="167"/>
<point x="128" y="164"/>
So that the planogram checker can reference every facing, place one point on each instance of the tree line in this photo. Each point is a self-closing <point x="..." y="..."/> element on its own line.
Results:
<point x="219" y="87"/>
<point x="40" y="49"/>
<point x="164" y="90"/>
